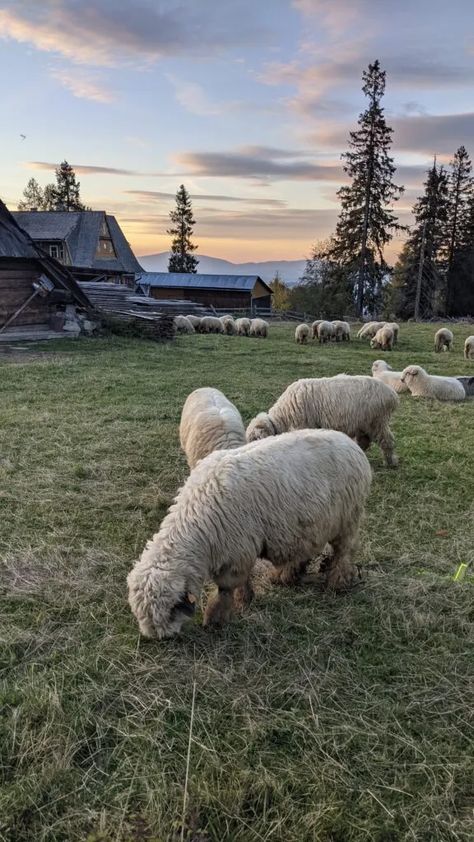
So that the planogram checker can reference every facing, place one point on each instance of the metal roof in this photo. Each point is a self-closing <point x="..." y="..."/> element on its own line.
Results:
<point x="80" y="231"/>
<point x="177" y="280"/>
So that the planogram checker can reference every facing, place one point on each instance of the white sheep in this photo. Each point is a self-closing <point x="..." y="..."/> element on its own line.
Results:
<point x="424" y="385"/>
<point x="395" y="328"/>
<point x="342" y="331"/>
<point x="359" y="406"/>
<point x="469" y="348"/>
<point x="228" y="324"/>
<point x="382" y="371"/>
<point x="314" y="328"/>
<point x="259" y="328"/>
<point x="211" y="324"/>
<point x="443" y="340"/>
<point x="243" y="327"/>
<point x="183" y="325"/>
<point x="283" y="498"/>
<point x="383" y="339"/>
<point x="325" y="332"/>
<point x="209" y="421"/>
<point x="301" y="334"/>
<point x="195" y="321"/>
<point x="369" y="330"/>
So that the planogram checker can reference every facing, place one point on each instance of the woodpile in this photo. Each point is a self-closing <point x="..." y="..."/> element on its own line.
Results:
<point x="119" y="301"/>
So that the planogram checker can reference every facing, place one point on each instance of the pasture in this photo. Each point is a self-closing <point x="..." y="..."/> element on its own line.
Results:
<point x="317" y="718"/>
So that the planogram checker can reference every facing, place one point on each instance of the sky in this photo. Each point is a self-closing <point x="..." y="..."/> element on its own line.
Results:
<point x="248" y="104"/>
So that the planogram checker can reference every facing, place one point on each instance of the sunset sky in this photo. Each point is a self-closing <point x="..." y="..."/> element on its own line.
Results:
<point x="248" y="104"/>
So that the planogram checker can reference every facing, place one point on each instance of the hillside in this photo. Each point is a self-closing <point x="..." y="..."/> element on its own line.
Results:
<point x="290" y="271"/>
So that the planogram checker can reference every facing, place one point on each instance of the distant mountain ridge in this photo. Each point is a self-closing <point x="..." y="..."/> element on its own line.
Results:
<point x="290" y="271"/>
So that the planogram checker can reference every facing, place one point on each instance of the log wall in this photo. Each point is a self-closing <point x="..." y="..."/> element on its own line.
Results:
<point x="15" y="289"/>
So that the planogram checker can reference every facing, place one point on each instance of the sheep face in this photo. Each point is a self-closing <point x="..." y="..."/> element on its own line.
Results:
<point x="380" y="365"/>
<point x="410" y="373"/>
<point x="160" y="602"/>
<point x="260" y="427"/>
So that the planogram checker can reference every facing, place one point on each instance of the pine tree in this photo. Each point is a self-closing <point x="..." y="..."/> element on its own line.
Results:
<point x="325" y="287"/>
<point x="462" y="283"/>
<point x="460" y="194"/>
<point x="33" y="197"/>
<point x="182" y="258"/>
<point x="66" y="191"/>
<point x="366" y="223"/>
<point x="425" y="249"/>
<point x="49" y="197"/>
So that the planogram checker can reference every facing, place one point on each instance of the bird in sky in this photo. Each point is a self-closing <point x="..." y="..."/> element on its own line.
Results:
<point x="23" y="136"/>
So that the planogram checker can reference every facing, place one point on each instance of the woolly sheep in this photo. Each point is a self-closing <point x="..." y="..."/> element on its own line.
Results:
<point x="195" y="321"/>
<point x="183" y="325"/>
<point x="228" y="324"/>
<point x="243" y="327"/>
<point x="325" y="332"/>
<point x="342" y="331"/>
<point x="424" y="385"/>
<point x="359" y="406"/>
<point x="314" y="328"/>
<point x="209" y="421"/>
<point x="383" y="339"/>
<point x="369" y="330"/>
<point x="443" y="340"/>
<point x="396" y="330"/>
<point x="259" y="328"/>
<point x="469" y="348"/>
<point x="284" y="498"/>
<point x="382" y="371"/>
<point x="301" y="334"/>
<point x="211" y="324"/>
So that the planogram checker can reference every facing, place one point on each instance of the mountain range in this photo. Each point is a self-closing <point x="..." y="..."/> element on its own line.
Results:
<point x="290" y="271"/>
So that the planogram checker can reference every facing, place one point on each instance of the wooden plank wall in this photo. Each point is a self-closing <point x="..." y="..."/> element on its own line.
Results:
<point x="15" y="288"/>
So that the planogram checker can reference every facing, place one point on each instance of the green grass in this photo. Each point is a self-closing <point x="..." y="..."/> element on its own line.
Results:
<point x="335" y="719"/>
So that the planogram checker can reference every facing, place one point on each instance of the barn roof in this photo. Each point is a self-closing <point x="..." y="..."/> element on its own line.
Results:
<point x="16" y="243"/>
<point x="190" y="280"/>
<point x="80" y="230"/>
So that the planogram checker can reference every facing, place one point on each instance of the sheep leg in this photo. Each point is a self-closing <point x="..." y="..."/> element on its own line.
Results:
<point x="220" y="608"/>
<point x="386" y="443"/>
<point x="289" y="573"/>
<point x="340" y="569"/>
<point x="363" y="440"/>
<point x="243" y="596"/>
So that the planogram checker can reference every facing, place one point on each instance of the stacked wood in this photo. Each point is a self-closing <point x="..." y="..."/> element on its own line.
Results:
<point x="159" y="328"/>
<point x="118" y="300"/>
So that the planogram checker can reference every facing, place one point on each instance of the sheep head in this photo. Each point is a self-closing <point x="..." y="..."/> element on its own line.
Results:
<point x="260" y="427"/>
<point x="159" y="599"/>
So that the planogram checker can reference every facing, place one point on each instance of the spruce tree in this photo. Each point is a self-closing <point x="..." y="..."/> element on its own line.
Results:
<point x="182" y="258"/>
<point x="462" y="282"/>
<point x="366" y="222"/>
<point x="66" y="191"/>
<point x="33" y="197"/>
<point x="425" y="249"/>
<point x="460" y="194"/>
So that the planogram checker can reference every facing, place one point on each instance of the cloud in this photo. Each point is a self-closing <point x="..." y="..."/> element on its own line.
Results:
<point x="204" y="197"/>
<point x="81" y="169"/>
<point x="105" y="32"/>
<point x="193" y="97"/>
<point x="83" y="86"/>
<point x="257" y="163"/>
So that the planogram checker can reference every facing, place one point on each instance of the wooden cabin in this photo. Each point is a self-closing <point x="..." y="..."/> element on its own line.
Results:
<point x="231" y="292"/>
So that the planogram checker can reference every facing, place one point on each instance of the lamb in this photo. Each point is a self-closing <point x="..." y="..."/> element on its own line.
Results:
<point x="195" y="321"/>
<point x="443" y="340"/>
<point x="211" y="324"/>
<point x="382" y="371"/>
<point x="424" y="385"/>
<point x="259" y="328"/>
<point x="469" y="348"/>
<point x="228" y="324"/>
<point x="285" y="497"/>
<point x="209" y="421"/>
<point x="369" y="330"/>
<point x="383" y="339"/>
<point x="243" y="327"/>
<point x="314" y="328"/>
<point x="342" y="331"/>
<point x="325" y="332"/>
<point x="301" y="334"/>
<point x="358" y="406"/>
<point x="183" y="325"/>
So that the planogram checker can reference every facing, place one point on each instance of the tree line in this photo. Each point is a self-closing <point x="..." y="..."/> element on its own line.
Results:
<point x="63" y="195"/>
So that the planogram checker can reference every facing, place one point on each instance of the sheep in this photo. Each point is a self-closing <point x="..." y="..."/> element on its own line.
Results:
<point x="183" y="325"/>
<point x="369" y="330"/>
<point x="342" y="331"/>
<point x="195" y="321"/>
<point x="209" y="421"/>
<point x="443" y="340"/>
<point x="395" y="328"/>
<point x="382" y="371"/>
<point x="259" y="328"/>
<point x="325" y="332"/>
<point x="228" y="324"/>
<point x="358" y="406"/>
<point x="383" y="339"/>
<point x="424" y="385"/>
<point x="211" y="324"/>
<point x="314" y="328"/>
<point x="243" y="327"/>
<point x="469" y="348"/>
<point x="285" y="498"/>
<point x="301" y="334"/>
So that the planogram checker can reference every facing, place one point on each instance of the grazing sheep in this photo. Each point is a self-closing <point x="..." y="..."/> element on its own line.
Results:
<point x="195" y="321"/>
<point x="183" y="325"/>
<point x="211" y="324"/>
<point x="443" y="340"/>
<point x="284" y="498"/>
<point x="314" y="328"/>
<point x="243" y="327"/>
<point x="396" y="330"/>
<point x="359" y="406"/>
<point x="424" y="385"/>
<point x="369" y="330"/>
<point x="301" y="334"/>
<point x="383" y="339"/>
<point x="228" y="324"/>
<point x="342" y="331"/>
<point x="325" y="332"/>
<point x="382" y="371"/>
<point x="469" y="348"/>
<point x="259" y="328"/>
<point x="209" y="421"/>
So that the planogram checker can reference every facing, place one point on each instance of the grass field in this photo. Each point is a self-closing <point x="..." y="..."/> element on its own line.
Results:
<point x="334" y="719"/>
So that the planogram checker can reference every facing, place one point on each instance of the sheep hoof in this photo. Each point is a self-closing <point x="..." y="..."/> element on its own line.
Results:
<point x="341" y="578"/>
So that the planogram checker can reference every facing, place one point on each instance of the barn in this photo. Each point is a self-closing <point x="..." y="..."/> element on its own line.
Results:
<point x="35" y="290"/>
<point x="230" y="292"/>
